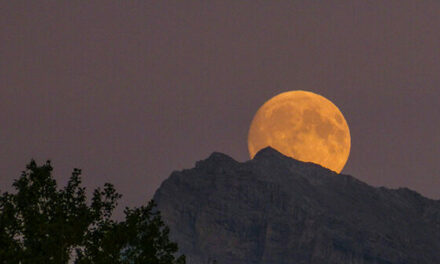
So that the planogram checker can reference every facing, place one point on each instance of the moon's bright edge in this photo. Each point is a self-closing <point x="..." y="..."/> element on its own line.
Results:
<point x="302" y="125"/>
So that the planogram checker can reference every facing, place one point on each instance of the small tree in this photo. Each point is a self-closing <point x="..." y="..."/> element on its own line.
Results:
<point x="40" y="223"/>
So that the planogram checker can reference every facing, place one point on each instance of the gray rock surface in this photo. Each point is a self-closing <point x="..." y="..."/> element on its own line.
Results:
<point x="277" y="210"/>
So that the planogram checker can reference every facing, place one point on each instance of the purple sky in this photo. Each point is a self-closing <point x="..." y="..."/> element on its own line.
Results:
<point x="130" y="92"/>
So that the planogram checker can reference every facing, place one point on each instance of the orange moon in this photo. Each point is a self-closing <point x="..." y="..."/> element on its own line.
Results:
<point x="302" y="125"/>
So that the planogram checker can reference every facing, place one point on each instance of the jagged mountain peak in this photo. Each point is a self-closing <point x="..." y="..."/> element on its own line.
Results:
<point x="268" y="152"/>
<point x="277" y="210"/>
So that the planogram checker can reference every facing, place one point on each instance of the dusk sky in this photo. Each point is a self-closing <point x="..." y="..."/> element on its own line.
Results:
<point x="129" y="91"/>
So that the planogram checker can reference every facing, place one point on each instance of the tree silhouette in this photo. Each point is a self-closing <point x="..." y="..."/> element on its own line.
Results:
<point x="40" y="223"/>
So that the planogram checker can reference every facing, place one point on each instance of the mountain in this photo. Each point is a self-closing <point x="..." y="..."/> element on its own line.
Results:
<point x="277" y="210"/>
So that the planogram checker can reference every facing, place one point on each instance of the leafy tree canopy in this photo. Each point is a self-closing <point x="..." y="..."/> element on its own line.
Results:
<point x="41" y="223"/>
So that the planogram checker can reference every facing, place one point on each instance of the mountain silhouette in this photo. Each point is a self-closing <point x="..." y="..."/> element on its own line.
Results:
<point x="277" y="210"/>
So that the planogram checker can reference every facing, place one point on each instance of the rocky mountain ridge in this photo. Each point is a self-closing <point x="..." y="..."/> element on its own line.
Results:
<point x="277" y="210"/>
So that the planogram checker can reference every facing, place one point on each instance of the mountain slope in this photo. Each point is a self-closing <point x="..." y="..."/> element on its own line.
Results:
<point x="276" y="210"/>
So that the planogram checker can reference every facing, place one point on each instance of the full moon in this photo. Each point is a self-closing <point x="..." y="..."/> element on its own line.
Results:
<point x="302" y="125"/>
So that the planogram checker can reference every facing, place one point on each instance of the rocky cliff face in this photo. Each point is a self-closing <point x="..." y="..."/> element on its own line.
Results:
<point x="276" y="210"/>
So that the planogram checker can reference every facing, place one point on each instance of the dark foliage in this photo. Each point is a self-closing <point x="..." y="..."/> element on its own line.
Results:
<point x="40" y="223"/>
